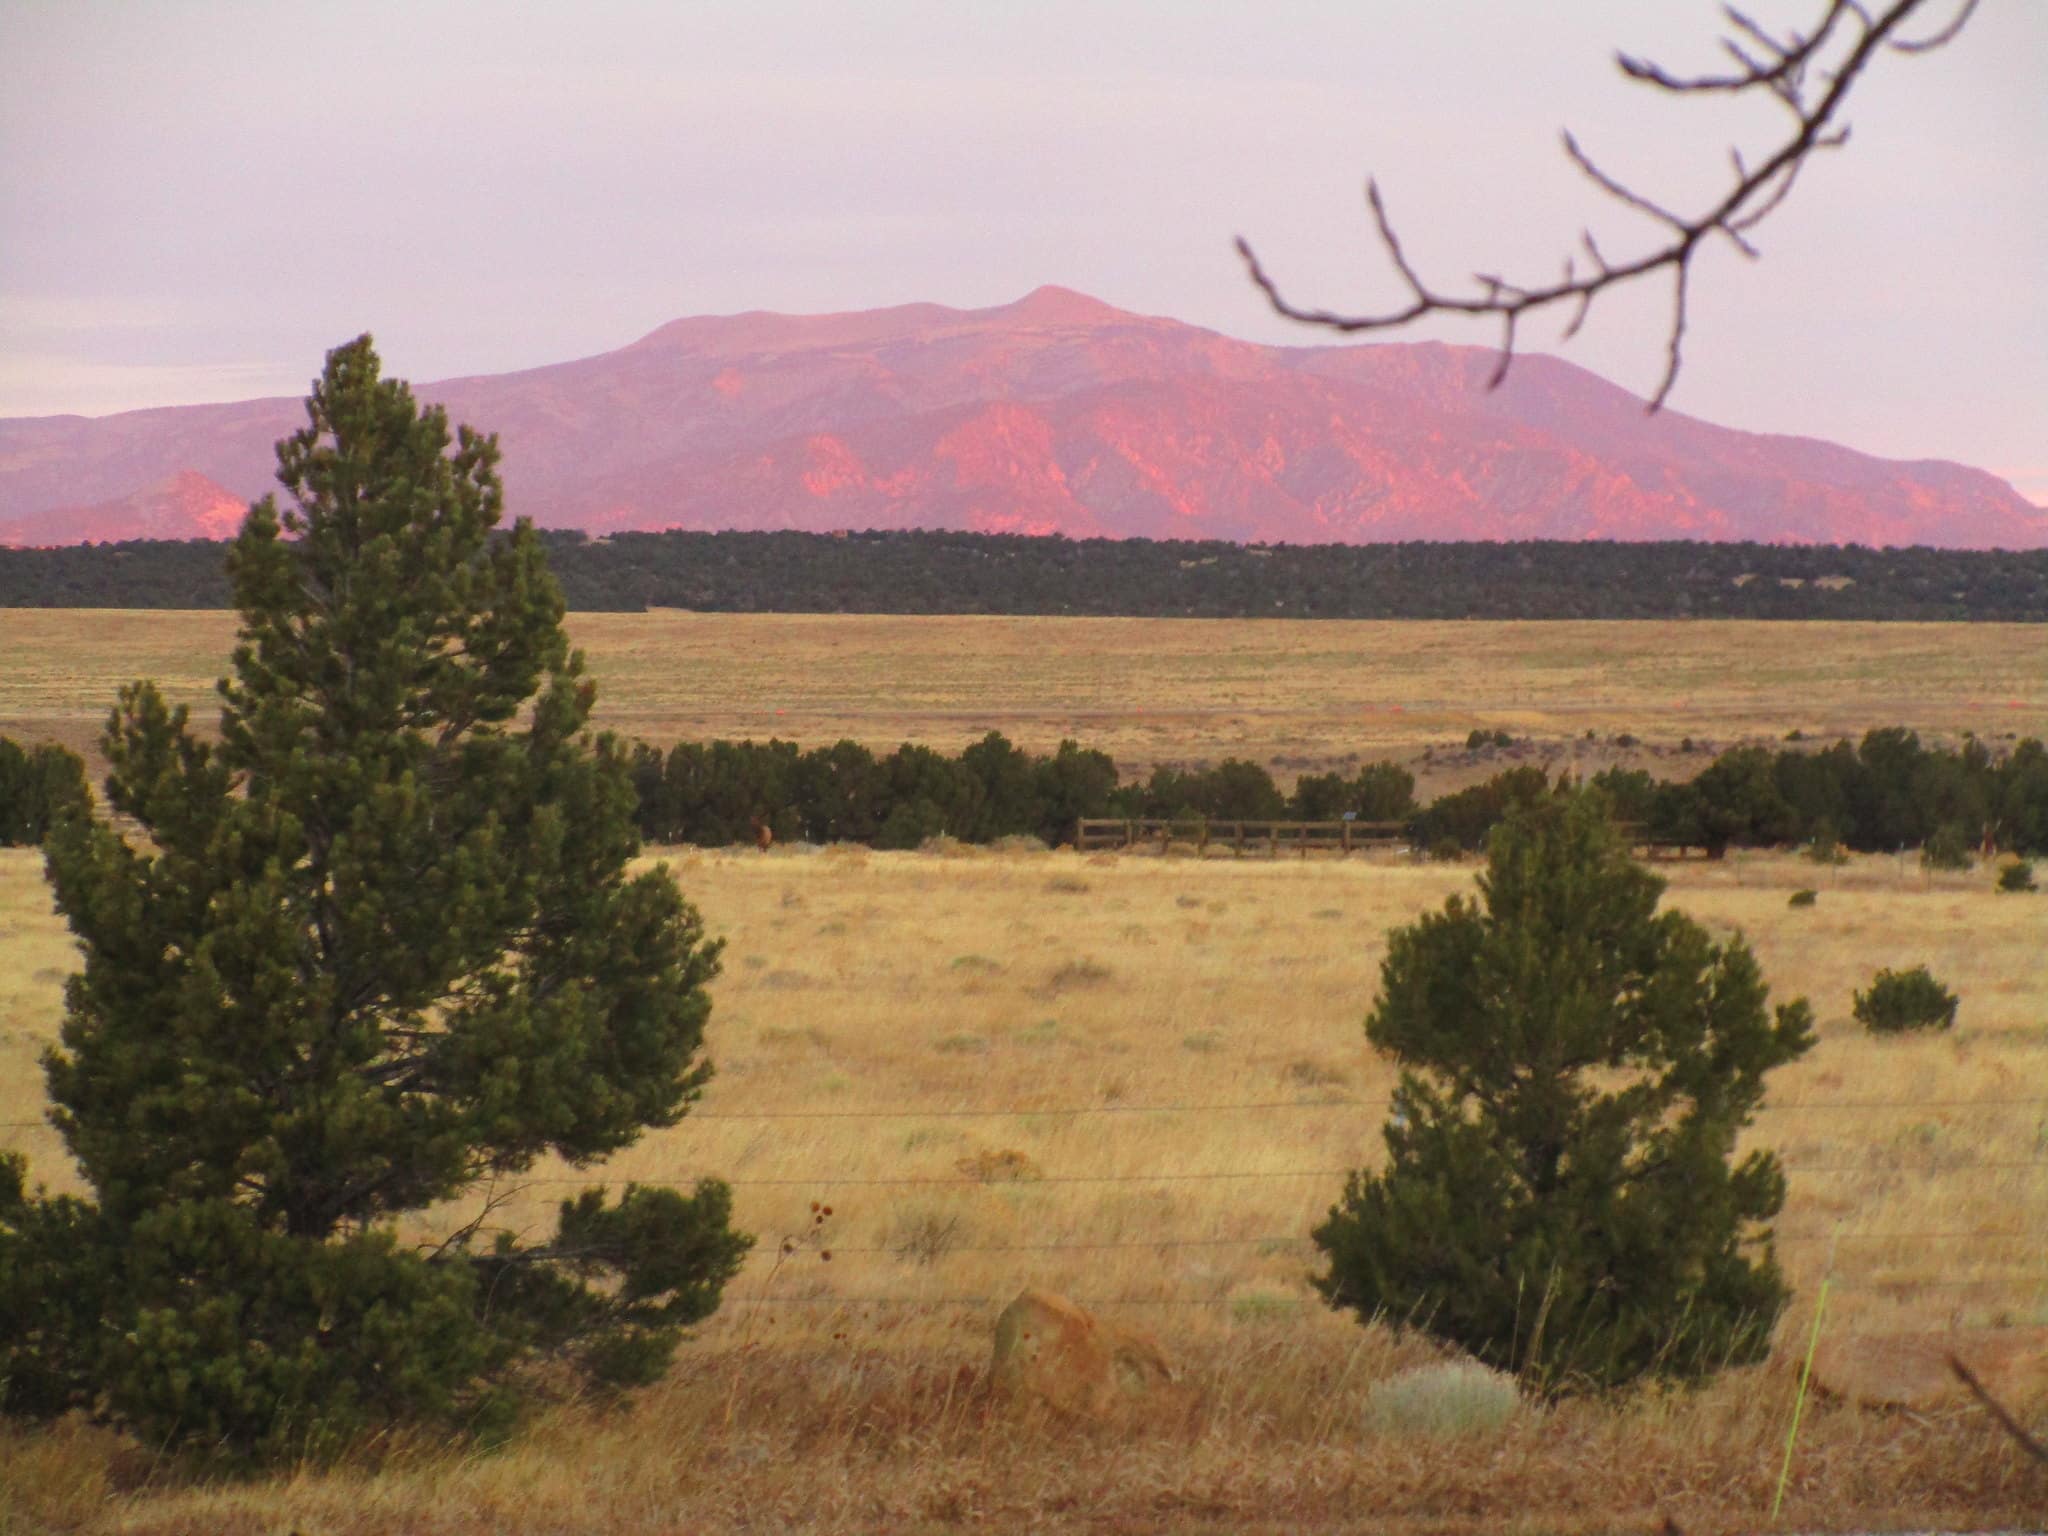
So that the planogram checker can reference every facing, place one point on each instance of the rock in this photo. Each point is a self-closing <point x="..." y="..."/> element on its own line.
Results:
<point x="1911" y="1371"/>
<point x="1050" y="1351"/>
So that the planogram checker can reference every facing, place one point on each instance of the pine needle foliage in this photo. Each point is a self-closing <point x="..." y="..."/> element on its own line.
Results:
<point x="377" y="950"/>
<point x="1561" y="1197"/>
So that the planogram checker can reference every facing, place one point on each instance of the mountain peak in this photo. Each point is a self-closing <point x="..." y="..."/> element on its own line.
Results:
<point x="1051" y="304"/>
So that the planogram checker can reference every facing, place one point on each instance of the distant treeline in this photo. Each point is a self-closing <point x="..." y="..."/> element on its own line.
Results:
<point x="1886" y="793"/>
<point x="967" y="573"/>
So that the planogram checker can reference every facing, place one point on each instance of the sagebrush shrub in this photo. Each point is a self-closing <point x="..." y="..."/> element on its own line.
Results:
<point x="2016" y="877"/>
<point x="1803" y="898"/>
<point x="1903" y="1000"/>
<point x="1459" y="1397"/>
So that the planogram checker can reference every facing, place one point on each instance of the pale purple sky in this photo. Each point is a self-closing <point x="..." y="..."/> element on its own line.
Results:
<point x="198" y="198"/>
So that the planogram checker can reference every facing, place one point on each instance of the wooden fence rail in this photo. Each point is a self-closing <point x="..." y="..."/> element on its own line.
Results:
<point x="1240" y="837"/>
<point x="1269" y="837"/>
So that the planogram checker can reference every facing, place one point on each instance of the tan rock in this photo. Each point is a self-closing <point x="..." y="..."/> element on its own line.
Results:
<point x="1911" y="1370"/>
<point x="1050" y="1351"/>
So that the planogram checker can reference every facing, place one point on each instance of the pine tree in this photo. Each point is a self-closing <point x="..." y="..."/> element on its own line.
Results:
<point x="1560" y="1196"/>
<point x="381" y="943"/>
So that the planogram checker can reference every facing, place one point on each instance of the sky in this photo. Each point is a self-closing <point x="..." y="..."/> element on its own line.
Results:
<point x="198" y="198"/>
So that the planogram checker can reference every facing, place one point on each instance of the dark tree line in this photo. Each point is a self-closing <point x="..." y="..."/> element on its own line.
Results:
<point x="720" y="792"/>
<point x="1890" y="791"/>
<point x="966" y="573"/>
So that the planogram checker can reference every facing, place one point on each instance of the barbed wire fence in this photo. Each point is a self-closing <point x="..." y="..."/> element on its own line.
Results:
<point x="2027" y="1229"/>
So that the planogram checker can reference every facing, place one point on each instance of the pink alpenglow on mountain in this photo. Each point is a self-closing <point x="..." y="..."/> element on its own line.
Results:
<point x="185" y="506"/>
<point x="1055" y="414"/>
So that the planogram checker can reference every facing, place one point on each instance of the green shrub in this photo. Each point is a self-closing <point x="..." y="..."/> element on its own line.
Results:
<point x="1948" y="848"/>
<point x="1903" y="1000"/>
<point x="1803" y="898"/>
<point x="2016" y="877"/>
<point x="1460" y="1397"/>
<point x="1576" y="1069"/>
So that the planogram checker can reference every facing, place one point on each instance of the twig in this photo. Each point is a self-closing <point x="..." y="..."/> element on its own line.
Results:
<point x="1785" y="69"/>
<point x="1998" y="1411"/>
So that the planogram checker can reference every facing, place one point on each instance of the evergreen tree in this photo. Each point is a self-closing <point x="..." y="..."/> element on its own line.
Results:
<point x="1074" y="782"/>
<point x="840" y="791"/>
<point x="1384" y="791"/>
<point x="1008" y="799"/>
<point x="39" y="787"/>
<point x="1559" y="1197"/>
<point x="382" y="944"/>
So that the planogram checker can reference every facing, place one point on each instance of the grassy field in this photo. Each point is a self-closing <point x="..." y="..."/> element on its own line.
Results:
<point x="1296" y="696"/>
<point x="1136" y="1080"/>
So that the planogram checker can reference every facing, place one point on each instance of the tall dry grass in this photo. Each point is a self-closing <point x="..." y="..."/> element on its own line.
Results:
<point x="1136" y="1079"/>
<point x="1293" y="694"/>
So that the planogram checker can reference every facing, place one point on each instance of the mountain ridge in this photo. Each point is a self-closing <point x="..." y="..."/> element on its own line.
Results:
<point x="1056" y="413"/>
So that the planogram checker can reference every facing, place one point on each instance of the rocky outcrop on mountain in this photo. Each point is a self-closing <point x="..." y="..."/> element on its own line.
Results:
<point x="185" y="506"/>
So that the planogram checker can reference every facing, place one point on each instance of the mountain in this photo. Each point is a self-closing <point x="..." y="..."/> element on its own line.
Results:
<point x="185" y="506"/>
<point x="1056" y="414"/>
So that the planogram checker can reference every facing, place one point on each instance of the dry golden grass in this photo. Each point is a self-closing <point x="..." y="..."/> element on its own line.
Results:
<point x="1291" y="694"/>
<point x="1077" y="996"/>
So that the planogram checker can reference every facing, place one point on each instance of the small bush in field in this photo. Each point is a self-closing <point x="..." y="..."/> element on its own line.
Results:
<point x="1903" y="1000"/>
<point x="1460" y="1397"/>
<point x="2016" y="877"/>
<point x="1803" y="898"/>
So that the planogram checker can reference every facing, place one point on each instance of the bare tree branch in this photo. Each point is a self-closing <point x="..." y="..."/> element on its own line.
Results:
<point x="1811" y="73"/>
<point x="1940" y="39"/>
<point x="1998" y="1411"/>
